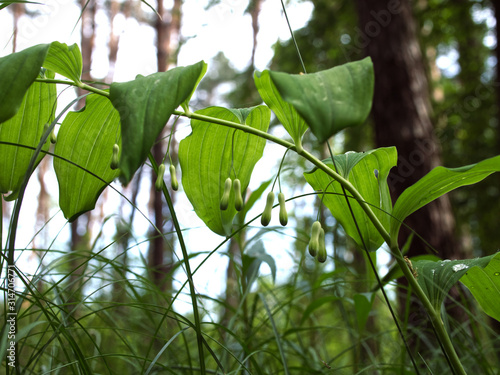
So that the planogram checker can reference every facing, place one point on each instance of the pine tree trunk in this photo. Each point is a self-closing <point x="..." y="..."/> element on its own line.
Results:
<point x="114" y="39"/>
<point x="161" y="258"/>
<point x="79" y="242"/>
<point x="496" y="7"/>
<point x="254" y="9"/>
<point x="402" y="117"/>
<point x="17" y="11"/>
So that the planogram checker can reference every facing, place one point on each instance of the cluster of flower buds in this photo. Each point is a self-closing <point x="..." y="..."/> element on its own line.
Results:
<point x="266" y="215"/>
<point x="238" y="198"/>
<point x="317" y="243"/>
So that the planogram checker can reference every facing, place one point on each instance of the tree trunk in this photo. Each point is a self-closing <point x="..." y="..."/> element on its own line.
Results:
<point x="254" y="9"/>
<point x="160" y="258"/>
<point x="402" y="117"/>
<point x="496" y="7"/>
<point x="114" y="39"/>
<point x="87" y="36"/>
<point x="17" y="11"/>
<point x="80" y="242"/>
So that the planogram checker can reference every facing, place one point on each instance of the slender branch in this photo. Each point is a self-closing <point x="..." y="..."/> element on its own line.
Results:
<point x="185" y="255"/>
<point x="81" y="85"/>
<point x="236" y="125"/>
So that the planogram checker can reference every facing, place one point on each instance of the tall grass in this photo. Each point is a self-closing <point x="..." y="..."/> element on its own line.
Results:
<point x="112" y="319"/>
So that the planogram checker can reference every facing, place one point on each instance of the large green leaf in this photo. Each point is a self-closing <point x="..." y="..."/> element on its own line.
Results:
<point x="436" y="183"/>
<point x="212" y="153"/>
<point x="145" y="105"/>
<point x="17" y="73"/>
<point x="437" y="278"/>
<point x="330" y="100"/>
<point x="185" y="103"/>
<point x="86" y="138"/>
<point x="286" y="113"/>
<point x="368" y="172"/>
<point x="363" y="303"/>
<point x="64" y="60"/>
<point x="484" y="284"/>
<point x="25" y="128"/>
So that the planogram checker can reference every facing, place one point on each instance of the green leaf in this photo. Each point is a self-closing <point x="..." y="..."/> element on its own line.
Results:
<point x="286" y="113"/>
<point x="362" y="305"/>
<point x="206" y="158"/>
<point x="253" y="258"/>
<point x="25" y="128"/>
<point x="368" y="172"/>
<point x="330" y="100"/>
<point x="395" y="271"/>
<point x="67" y="61"/>
<point x="86" y="138"/>
<point x="17" y="73"/>
<point x="436" y="183"/>
<point x="437" y="278"/>
<point x="145" y="105"/>
<point x="185" y="103"/>
<point x="484" y="284"/>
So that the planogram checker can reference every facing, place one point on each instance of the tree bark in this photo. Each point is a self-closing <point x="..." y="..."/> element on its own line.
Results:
<point x="87" y="35"/>
<point x="114" y="40"/>
<point x="17" y="11"/>
<point x="80" y="242"/>
<point x="496" y="7"/>
<point x="402" y="117"/>
<point x="254" y="9"/>
<point x="161" y="259"/>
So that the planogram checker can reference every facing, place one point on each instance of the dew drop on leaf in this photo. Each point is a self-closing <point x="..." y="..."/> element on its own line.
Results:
<point x="459" y="267"/>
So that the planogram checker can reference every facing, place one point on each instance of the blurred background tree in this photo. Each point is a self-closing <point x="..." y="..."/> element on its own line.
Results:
<point x="436" y="86"/>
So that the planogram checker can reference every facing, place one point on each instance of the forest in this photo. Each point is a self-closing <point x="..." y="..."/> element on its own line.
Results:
<point x="250" y="187"/>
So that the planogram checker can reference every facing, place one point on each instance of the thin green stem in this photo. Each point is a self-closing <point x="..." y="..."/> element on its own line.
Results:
<point x="235" y="125"/>
<point x="293" y="37"/>
<point x="189" y="274"/>
<point x="434" y="315"/>
<point x="276" y="335"/>
<point x="172" y="132"/>
<point x="279" y="171"/>
<point x="374" y="269"/>
<point x="80" y="85"/>
<point x="1" y="226"/>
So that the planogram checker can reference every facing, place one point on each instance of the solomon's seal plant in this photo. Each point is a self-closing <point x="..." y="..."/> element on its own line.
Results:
<point x="132" y="114"/>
